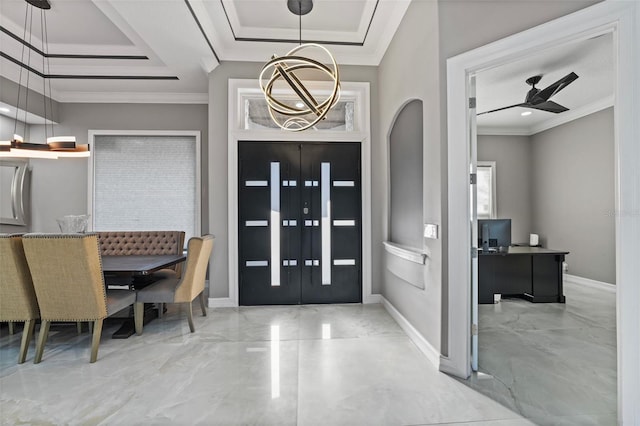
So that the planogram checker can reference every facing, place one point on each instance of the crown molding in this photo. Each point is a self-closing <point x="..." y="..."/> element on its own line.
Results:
<point x="133" y="97"/>
<point x="573" y="114"/>
<point x="503" y="131"/>
<point x="16" y="31"/>
<point x="357" y="37"/>
<point x="386" y="19"/>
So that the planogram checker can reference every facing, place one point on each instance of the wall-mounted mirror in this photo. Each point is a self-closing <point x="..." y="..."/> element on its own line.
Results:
<point x="14" y="192"/>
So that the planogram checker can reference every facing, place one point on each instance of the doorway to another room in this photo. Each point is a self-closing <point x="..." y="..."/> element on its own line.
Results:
<point x="620" y="316"/>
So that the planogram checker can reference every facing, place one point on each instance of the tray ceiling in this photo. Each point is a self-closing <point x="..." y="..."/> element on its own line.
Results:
<point x="163" y="50"/>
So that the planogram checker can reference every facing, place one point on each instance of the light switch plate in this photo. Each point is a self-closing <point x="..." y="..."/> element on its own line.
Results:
<point x="431" y="231"/>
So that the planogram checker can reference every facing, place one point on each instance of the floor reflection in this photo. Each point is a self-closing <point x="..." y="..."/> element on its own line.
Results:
<point x="275" y="361"/>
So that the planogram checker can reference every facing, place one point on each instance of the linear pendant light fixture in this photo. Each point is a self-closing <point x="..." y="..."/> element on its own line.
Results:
<point x="55" y="146"/>
<point x="305" y="111"/>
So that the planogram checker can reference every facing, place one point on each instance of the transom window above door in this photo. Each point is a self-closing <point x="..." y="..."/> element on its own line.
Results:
<point x="339" y="118"/>
<point x="348" y="115"/>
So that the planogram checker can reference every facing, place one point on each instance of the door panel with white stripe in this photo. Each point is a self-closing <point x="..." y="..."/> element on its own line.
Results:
<point x="299" y="223"/>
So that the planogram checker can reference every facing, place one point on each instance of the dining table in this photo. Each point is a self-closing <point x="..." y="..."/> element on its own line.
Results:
<point x="140" y="265"/>
<point x="136" y="271"/>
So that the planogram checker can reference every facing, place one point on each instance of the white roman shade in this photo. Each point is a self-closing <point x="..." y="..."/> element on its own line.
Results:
<point x="146" y="183"/>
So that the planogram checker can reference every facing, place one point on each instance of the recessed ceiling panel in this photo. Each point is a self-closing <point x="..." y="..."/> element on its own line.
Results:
<point x="326" y="15"/>
<point x="110" y="50"/>
<point x="69" y="22"/>
<point x="328" y="21"/>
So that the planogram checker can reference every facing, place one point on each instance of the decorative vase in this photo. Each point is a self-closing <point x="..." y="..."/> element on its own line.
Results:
<point x="73" y="223"/>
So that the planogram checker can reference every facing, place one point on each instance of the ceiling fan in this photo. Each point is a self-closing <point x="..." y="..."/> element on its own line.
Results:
<point x="539" y="99"/>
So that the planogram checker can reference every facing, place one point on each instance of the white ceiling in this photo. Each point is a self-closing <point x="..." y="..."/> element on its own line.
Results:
<point x="591" y="60"/>
<point x="181" y="41"/>
<point x="163" y="50"/>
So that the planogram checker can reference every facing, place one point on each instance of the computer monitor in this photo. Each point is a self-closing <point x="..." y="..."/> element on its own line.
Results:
<point x="494" y="233"/>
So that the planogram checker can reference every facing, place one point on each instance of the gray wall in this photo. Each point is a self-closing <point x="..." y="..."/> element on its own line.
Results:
<point x="573" y="193"/>
<point x="465" y="25"/>
<point x="409" y="70"/>
<point x="59" y="187"/>
<point x="512" y="155"/>
<point x="7" y="125"/>
<point x="33" y="100"/>
<point x="405" y="168"/>
<point x="218" y="167"/>
<point x="413" y="67"/>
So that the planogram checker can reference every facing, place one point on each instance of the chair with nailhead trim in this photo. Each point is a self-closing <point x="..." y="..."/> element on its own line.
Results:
<point x="67" y="275"/>
<point x="18" y="301"/>
<point x="180" y="290"/>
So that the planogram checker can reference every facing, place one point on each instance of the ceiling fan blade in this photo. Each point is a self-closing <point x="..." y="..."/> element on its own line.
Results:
<point x="554" y="88"/>
<point x="549" y="106"/>
<point x="500" y="109"/>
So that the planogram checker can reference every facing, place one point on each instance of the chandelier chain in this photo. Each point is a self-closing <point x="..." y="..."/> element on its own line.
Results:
<point x="44" y="80"/>
<point x="26" y="97"/>
<point x="20" y="146"/>
<point x="48" y="72"/>
<point x="24" y="37"/>
<point x="300" y="23"/>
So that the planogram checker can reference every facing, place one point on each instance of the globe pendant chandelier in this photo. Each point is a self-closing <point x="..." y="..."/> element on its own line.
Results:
<point x="307" y="110"/>
<point x="55" y="146"/>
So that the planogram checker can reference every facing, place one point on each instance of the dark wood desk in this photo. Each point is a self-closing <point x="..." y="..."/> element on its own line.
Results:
<point x="137" y="271"/>
<point x="532" y="273"/>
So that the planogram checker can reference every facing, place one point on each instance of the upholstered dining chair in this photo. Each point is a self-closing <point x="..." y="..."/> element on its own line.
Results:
<point x="184" y="289"/>
<point x="67" y="275"/>
<point x="18" y="301"/>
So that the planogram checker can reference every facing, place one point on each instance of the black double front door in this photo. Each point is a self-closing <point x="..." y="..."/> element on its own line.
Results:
<point x="299" y="223"/>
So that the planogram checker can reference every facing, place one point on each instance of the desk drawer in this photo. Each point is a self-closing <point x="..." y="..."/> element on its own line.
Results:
<point x="547" y="276"/>
<point x="508" y="275"/>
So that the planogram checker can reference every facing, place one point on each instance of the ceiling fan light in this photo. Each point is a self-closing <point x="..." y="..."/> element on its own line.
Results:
<point x="17" y="138"/>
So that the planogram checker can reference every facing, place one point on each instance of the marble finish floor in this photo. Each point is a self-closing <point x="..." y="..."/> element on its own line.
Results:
<point x="552" y="363"/>
<point x="300" y="365"/>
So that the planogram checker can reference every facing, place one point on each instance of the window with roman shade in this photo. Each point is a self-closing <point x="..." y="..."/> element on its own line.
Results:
<point x="146" y="182"/>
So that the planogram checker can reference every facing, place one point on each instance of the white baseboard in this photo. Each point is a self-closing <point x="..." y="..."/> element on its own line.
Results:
<point x="221" y="302"/>
<point x="418" y="339"/>
<point x="372" y="298"/>
<point x="610" y="288"/>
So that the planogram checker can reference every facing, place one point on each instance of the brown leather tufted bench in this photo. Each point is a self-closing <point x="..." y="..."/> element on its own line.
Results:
<point x="123" y="243"/>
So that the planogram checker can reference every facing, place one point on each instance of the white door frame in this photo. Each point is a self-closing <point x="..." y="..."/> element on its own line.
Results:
<point x="359" y="91"/>
<point x="622" y="18"/>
